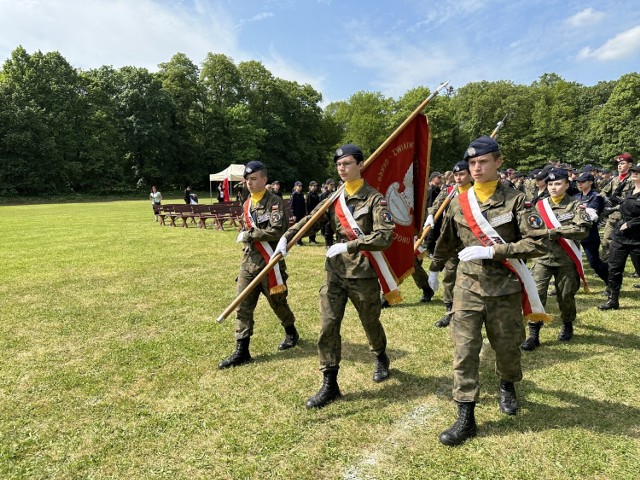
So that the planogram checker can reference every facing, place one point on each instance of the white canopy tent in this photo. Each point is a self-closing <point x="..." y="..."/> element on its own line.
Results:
<point x="233" y="173"/>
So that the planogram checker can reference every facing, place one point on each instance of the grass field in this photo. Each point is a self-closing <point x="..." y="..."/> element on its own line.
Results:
<point x="109" y="351"/>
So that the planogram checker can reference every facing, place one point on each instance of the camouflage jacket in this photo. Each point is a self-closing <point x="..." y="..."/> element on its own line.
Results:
<point x="613" y="189"/>
<point x="369" y="209"/>
<point x="269" y="224"/>
<point x="574" y="225"/>
<point x="519" y="225"/>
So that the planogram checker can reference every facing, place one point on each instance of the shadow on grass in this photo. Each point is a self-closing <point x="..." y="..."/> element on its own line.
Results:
<point x="401" y="387"/>
<point x="580" y="412"/>
<point x="554" y="351"/>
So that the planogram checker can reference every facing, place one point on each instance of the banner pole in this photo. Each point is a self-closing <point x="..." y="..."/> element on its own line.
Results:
<point x="323" y="208"/>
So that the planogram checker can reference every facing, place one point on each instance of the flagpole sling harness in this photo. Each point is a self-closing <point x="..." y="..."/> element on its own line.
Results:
<point x="323" y="208"/>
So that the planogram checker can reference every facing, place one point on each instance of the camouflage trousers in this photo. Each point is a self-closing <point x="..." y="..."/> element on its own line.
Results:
<point x="278" y="303"/>
<point x="607" y="234"/>
<point x="334" y="293"/>
<point x="419" y="276"/>
<point x="502" y="318"/>
<point x="449" y="279"/>
<point x="566" y="283"/>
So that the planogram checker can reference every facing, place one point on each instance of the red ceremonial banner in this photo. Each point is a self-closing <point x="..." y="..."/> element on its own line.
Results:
<point x="400" y="173"/>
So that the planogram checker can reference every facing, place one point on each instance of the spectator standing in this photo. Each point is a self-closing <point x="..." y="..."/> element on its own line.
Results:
<point x="187" y="195"/>
<point x="275" y="188"/>
<point x="156" y="199"/>
<point x="327" y="230"/>
<point x="298" y="207"/>
<point x="312" y="201"/>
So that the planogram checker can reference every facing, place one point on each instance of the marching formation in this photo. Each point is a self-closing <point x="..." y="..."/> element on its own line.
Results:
<point x="502" y="240"/>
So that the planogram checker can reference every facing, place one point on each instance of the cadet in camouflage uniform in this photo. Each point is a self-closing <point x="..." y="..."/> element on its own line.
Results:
<point x="269" y="223"/>
<point x="350" y="275"/>
<point x="614" y="192"/>
<point x="575" y="221"/>
<point x="486" y="291"/>
<point x="462" y="179"/>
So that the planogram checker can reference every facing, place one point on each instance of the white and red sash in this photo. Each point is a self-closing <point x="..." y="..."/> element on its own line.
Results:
<point x="276" y="283"/>
<point x="569" y="246"/>
<point x="377" y="259"/>
<point x="532" y="307"/>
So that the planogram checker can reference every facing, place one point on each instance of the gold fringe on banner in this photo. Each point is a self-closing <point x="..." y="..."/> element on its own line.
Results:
<point x="278" y="289"/>
<point x="538" y="317"/>
<point x="393" y="297"/>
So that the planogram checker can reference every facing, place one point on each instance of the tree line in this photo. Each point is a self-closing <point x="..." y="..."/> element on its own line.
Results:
<point x="108" y="130"/>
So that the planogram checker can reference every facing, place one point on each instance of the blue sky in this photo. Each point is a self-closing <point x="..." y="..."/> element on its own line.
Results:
<point x="341" y="47"/>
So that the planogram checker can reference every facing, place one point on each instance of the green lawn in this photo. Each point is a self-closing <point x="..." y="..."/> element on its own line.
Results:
<point x="109" y="351"/>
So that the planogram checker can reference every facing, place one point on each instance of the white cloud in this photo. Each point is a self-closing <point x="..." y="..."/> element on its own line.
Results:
<point x="255" y="18"/>
<point x="585" y="18"/>
<point x="399" y="65"/>
<point x="91" y="33"/>
<point x="623" y="45"/>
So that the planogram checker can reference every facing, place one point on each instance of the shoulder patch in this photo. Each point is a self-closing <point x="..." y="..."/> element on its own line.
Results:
<point x="276" y="217"/>
<point x="585" y="216"/>
<point x="275" y="208"/>
<point x="386" y="217"/>
<point x="528" y="204"/>
<point x="534" y="220"/>
<point x="383" y="202"/>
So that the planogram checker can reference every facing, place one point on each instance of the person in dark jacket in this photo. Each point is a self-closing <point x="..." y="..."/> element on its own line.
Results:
<point x="312" y="200"/>
<point x="589" y="198"/>
<point x="625" y="240"/>
<point x="297" y="203"/>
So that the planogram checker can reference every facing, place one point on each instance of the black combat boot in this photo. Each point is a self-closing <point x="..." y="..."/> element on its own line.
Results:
<point x="427" y="294"/>
<point x="291" y="338"/>
<point x="381" y="372"/>
<point x="240" y="356"/>
<point x="329" y="391"/>
<point x="533" y="341"/>
<point x="612" y="303"/>
<point x="465" y="426"/>
<point x="606" y="292"/>
<point x="446" y="320"/>
<point x="566" y="333"/>
<point x="384" y="303"/>
<point x="508" y="400"/>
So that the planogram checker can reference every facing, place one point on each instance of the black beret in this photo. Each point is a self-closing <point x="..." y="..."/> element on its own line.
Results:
<point x="585" y="177"/>
<point x="556" y="174"/>
<point x="346" y="150"/>
<point x="635" y="168"/>
<point x="461" y="165"/>
<point x="481" y="146"/>
<point x="252" y="167"/>
<point x="329" y="181"/>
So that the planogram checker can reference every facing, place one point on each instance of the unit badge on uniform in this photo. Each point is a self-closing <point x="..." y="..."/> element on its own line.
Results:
<point x="386" y="217"/>
<point x="535" y="221"/>
<point x="276" y="217"/>
<point x="585" y="216"/>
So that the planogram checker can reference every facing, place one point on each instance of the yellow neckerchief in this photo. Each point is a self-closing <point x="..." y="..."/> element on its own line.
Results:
<point x="557" y="200"/>
<point x="352" y="186"/>
<point x="256" y="197"/>
<point x="464" y="188"/>
<point x="485" y="190"/>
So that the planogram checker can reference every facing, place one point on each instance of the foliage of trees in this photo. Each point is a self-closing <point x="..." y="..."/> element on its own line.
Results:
<point x="115" y="130"/>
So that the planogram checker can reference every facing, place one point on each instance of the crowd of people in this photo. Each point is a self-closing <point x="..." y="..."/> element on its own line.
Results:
<point x="502" y="238"/>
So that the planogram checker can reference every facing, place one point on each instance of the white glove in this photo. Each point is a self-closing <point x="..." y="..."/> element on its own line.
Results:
<point x="280" y="248"/>
<point x="336" y="249"/>
<point x="429" y="222"/>
<point x="475" y="253"/>
<point x="593" y="215"/>
<point x="434" y="282"/>
<point x="242" y="237"/>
